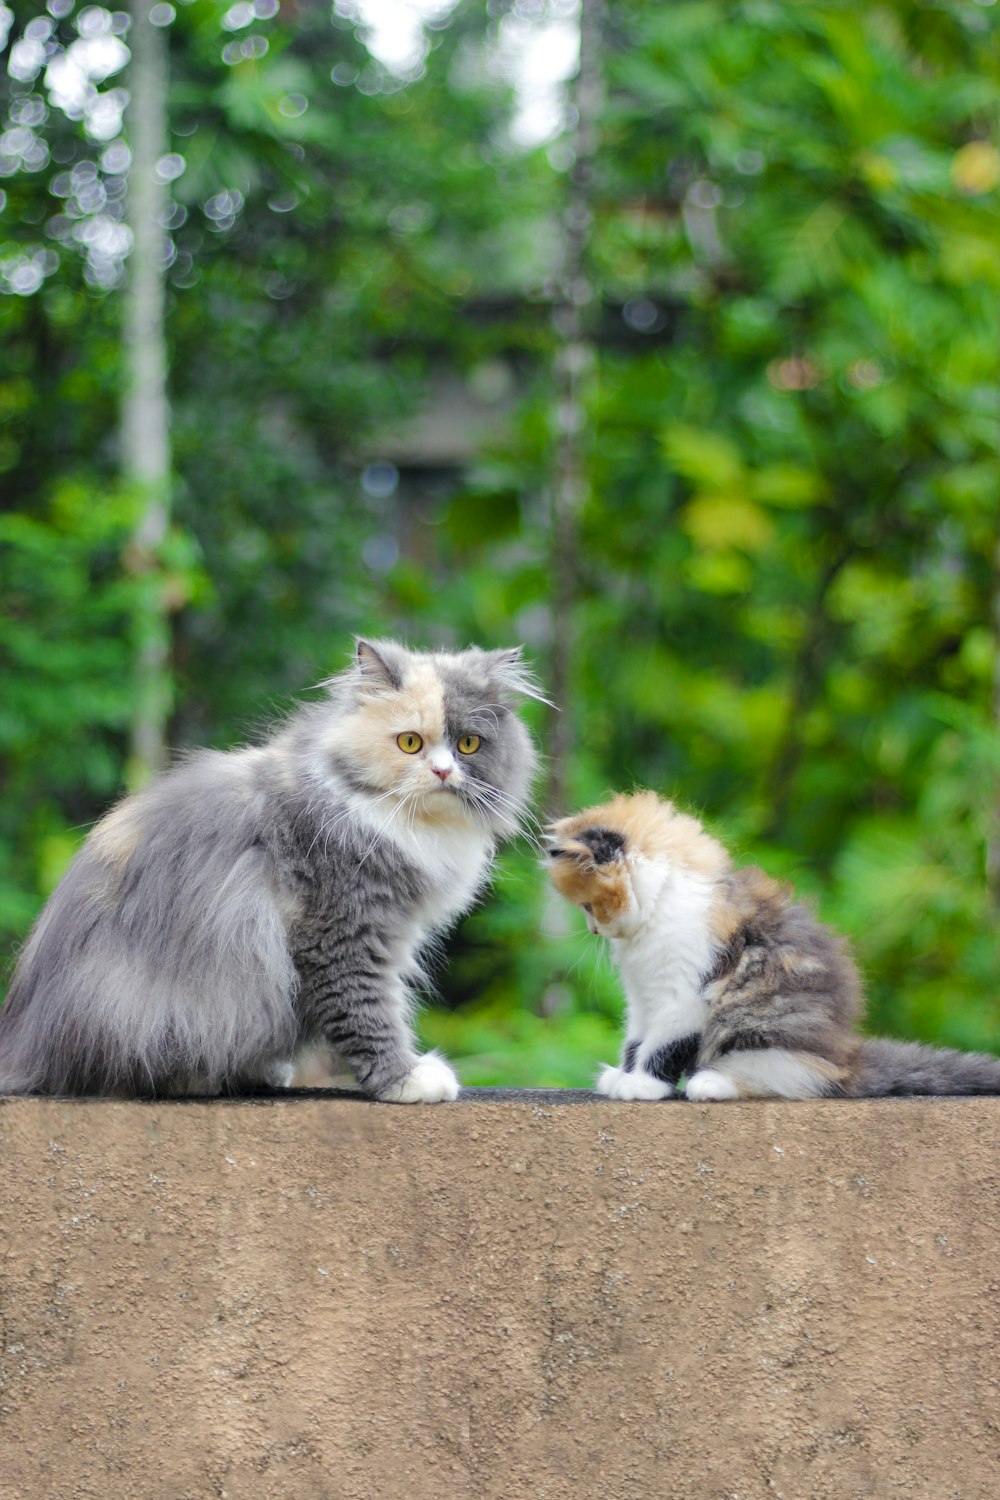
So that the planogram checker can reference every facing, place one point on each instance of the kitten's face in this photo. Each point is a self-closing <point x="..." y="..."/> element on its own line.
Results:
<point x="613" y="861"/>
<point x="438" y="733"/>
<point x="588" y="866"/>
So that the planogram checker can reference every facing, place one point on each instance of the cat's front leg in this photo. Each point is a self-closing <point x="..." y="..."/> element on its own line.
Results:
<point x="651" y="1068"/>
<point x="629" y="1081"/>
<point x="374" y="1039"/>
<point x="670" y="1058"/>
<point x="620" y="1083"/>
<point x="399" y="1075"/>
<point x="358" y="1006"/>
<point x="430" y="1081"/>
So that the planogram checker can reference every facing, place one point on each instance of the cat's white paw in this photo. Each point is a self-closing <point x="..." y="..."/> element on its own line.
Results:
<point x="429" y="1081"/>
<point x="708" y="1083"/>
<point x="616" y="1083"/>
<point x="278" y="1074"/>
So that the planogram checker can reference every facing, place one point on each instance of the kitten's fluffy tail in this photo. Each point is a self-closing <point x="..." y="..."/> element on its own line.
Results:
<point x="889" y="1067"/>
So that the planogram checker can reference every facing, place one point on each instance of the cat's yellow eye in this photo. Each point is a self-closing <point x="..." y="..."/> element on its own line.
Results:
<point x="469" y="744"/>
<point x="409" y="742"/>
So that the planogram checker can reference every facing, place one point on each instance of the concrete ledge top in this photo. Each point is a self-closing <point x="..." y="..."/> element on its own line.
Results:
<point x="496" y="1095"/>
<point x="312" y="1095"/>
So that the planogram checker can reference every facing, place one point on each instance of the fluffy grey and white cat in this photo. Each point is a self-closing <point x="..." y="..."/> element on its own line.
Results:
<point x="728" y="979"/>
<point x="253" y="903"/>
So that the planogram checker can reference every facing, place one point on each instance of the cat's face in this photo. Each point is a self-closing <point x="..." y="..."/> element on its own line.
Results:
<point x="438" y="732"/>
<point x="614" y="860"/>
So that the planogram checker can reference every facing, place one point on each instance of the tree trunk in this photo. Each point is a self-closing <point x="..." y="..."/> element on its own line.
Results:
<point x="993" y="845"/>
<point x="574" y="364"/>
<point x="146" y="458"/>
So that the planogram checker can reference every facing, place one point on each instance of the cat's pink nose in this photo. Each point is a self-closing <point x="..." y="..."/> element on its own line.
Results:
<point x="443" y="773"/>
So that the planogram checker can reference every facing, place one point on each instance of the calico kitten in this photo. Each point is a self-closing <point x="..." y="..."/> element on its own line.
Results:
<point x="249" y="904"/>
<point x="728" y="980"/>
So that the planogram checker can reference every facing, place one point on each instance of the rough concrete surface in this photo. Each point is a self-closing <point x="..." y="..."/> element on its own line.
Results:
<point x="321" y="1297"/>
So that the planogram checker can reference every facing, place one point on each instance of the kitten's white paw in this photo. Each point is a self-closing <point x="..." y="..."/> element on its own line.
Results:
<point x="708" y="1083"/>
<point x="616" y="1083"/>
<point x="429" y="1081"/>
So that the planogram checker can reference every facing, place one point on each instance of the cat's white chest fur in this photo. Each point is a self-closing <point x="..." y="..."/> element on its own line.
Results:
<point x="454" y="859"/>
<point x="452" y="853"/>
<point x="454" y="862"/>
<point x="662" y="963"/>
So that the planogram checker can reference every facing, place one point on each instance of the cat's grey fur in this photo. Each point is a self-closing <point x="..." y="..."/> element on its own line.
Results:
<point x="730" y="982"/>
<point x="252" y="903"/>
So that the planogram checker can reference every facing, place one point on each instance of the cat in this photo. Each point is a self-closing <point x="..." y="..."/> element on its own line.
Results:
<point x="729" y="981"/>
<point x="250" y="904"/>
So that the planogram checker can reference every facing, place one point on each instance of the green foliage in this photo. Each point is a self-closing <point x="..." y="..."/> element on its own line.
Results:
<point x="817" y="596"/>
<point x="65" y="662"/>
<point x="785" y="576"/>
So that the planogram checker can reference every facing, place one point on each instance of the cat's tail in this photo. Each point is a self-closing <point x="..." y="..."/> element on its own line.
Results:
<point x="890" y="1067"/>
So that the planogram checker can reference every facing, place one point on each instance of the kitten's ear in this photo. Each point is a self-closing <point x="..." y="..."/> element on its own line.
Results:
<point x="560" y="845"/>
<point x="512" y="674"/>
<point x="375" y="666"/>
<point x="591" y="848"/>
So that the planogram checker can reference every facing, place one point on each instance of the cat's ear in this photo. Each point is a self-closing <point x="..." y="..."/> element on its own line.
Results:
<point x="376" y="667"/>
<point x="513" y="676"/>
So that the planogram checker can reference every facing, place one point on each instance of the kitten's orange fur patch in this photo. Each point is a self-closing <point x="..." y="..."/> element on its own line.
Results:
<point x="606" y="889"/>
<point x="653" y="828"/>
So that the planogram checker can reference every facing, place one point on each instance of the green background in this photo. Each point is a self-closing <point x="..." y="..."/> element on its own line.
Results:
<point x="782" y="595"/>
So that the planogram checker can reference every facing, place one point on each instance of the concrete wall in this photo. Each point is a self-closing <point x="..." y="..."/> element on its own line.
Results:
<point x="326" y="1298"/>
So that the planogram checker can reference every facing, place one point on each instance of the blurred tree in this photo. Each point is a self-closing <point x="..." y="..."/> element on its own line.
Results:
<point x="63" y="519"/>
<point x="785" y="599"/>
<point x="795" y="506"/>
<point x="573" y="317"/>
<point x="324" y="214"/>
<point x="146" y="458"/>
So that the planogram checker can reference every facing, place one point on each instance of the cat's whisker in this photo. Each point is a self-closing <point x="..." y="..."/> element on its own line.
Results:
<point x="329" y="823"/>
<point x="490" y="806"/>
<point x="344" y="816"/>
<point x="380" y="832"/>
<point x="326" y="827"/>
<point x="522" y="821"/>
<point x="523" y="824"/>
<point x="376" y="840"/>
<point x="412" y="815"/>
<point x="586" y="952"/>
